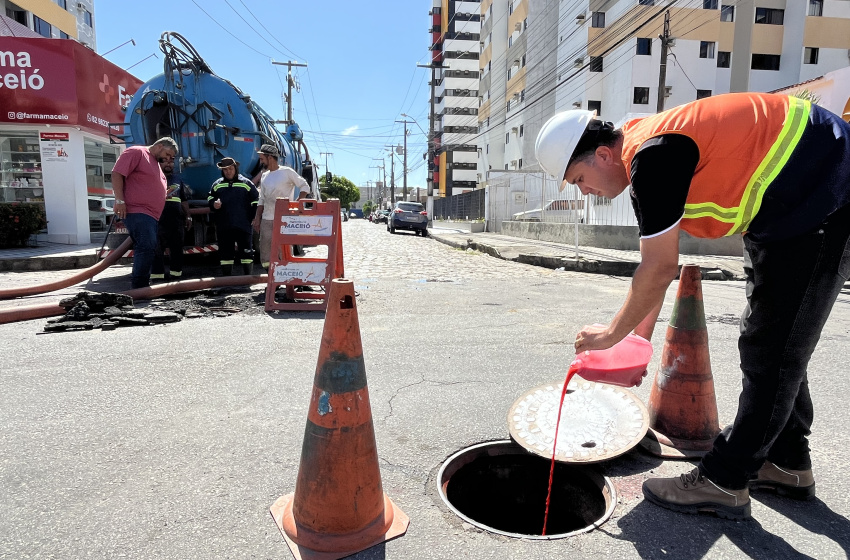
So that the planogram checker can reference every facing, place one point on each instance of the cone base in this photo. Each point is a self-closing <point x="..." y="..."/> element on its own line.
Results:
<point x="397" y="528"/>
<point x="660" y="445"/>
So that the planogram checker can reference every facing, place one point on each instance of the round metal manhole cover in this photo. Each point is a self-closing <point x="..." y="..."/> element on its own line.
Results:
<point x="598" y="421"/>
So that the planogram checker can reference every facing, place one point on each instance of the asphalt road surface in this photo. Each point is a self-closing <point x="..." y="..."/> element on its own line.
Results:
<point x="173" y="441"/>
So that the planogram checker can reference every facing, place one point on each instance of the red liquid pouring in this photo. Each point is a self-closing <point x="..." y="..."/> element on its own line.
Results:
<point x="574" y="368"/>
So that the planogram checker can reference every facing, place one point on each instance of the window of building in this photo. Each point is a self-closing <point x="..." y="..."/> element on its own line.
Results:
<point x="597" y="19"/>
<point x="523" y="62"/>
<point x="506" y="167"/>
<point x="596" y="64"/>
<point x="62" y="4"/>
<point x="511" y="41"/>
<point x="724" y="59"/>
<point x="765" y="62"/>
<point x="519" y="165"/>
<point x="815" y="7"/>
<point x="709" y="4"/>
<point x="507" y="138"/>
<point x="488" y="148"/>
<point x="41" y="27"/>
<point x="87" y="17"/>
<point x="770" y="16"/>
<point x="593" y="105"/>
<point x="521" y="130"/>
<point x="810" y="55"/>
<point x="525" y="24"/>
<point x="646" y="2"/>
<point x="706" y="49"/>
<point x="63" y="35"/>
<point x="703" y="93"/>
<point x="510" y="8"/>
<point x="641" y="96"/>
<point x="644" y="46"/>
<point x="16" y="13"/>
<point x="727" y="13"/>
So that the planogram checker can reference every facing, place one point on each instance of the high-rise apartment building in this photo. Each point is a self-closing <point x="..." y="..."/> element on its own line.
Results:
<point x="543" y="56"/>
<point x="53" y="19"/>
<point x="455" y="36"/>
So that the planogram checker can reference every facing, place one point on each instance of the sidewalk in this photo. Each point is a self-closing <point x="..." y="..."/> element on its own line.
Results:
<point x="611" y="262"/>
<point x="55" y="256"/>
<point x="48" y="256"/>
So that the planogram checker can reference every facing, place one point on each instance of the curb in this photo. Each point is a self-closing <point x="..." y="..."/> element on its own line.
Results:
<point x="591" y="266"/>
<point x="42" y="264"/>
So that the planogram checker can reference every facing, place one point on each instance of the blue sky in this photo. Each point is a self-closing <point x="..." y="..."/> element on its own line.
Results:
<point x="361" y="77"/>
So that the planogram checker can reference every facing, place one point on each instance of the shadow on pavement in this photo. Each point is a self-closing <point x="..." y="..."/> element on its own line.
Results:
<point x="659" y="533"/>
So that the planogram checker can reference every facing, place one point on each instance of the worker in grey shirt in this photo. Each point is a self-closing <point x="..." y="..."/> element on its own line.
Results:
<point x="275" y="182"/>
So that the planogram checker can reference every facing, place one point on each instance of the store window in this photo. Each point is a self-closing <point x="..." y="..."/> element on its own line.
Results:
<point x="21" y="177"/>
<point x="100" y="159"/>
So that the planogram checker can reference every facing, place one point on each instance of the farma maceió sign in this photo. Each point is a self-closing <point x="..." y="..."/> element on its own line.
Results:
<point x="60" y="81"/>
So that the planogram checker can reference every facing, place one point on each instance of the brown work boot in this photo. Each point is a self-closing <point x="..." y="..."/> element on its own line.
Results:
<point x="799" y="485"/>
<point x="693" y="493"/>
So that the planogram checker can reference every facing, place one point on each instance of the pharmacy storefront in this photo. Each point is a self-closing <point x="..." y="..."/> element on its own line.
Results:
<point x="57" y="99"/>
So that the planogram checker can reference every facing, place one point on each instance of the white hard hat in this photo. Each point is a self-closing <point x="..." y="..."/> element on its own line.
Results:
<point x="558" y="139"/>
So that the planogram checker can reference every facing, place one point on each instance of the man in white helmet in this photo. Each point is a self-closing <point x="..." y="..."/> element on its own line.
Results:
<point x="774" y="169"/>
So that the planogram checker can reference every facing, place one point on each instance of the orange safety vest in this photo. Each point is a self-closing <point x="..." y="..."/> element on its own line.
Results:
<point x="744" y="141"/>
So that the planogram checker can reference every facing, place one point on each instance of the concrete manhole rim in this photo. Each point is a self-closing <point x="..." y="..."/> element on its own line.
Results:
<point x="585" y="389"/>
<point x="510" y="445"/>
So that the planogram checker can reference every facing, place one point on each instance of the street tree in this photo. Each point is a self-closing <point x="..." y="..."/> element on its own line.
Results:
<point x="340" y="188"/>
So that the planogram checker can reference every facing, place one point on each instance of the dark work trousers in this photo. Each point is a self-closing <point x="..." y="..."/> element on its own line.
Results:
<point x="244" y="253"/>
<point x="169" y="236"/>
<point x="791" y="288"/>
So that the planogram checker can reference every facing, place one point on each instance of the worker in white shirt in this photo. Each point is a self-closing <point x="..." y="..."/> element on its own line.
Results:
<point x="275" y="182"/>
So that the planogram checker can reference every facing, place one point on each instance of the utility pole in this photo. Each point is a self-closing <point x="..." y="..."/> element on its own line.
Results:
<point x="328" y="176"/>
<point x="429" y="207"/>
<point x="392" y="172"/>
<point x="383" y="168"/>
<point x="289" y="82"/>
<point x="381" y="191"/>
<point x="404" y="161"/>
<point x="662" y="73"/>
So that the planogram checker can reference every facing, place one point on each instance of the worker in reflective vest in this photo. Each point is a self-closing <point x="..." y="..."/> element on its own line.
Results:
<point x="775" y="169"/>
<point x="233" y="201"/>
<point x="173" y="223"/>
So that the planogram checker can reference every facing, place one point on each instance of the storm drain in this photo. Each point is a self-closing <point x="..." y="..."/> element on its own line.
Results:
<point x="500" y="487"/>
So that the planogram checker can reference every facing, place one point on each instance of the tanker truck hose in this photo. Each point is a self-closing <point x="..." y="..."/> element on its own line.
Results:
<point x="25" y="313"/>
<point x="76" y="278"/>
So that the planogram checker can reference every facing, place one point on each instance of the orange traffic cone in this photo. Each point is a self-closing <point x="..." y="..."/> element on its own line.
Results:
<point x="682" y="405"/>
<point x="339" y="506"/>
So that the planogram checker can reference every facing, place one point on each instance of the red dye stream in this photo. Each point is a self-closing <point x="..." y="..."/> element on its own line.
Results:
<point x="572" y="371"/>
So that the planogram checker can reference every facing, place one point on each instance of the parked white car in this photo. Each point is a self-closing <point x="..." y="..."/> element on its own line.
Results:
<point x="562" y="211"/>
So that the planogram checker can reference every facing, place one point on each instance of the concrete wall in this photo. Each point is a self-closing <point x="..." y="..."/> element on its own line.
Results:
<point x="617" y="237"/>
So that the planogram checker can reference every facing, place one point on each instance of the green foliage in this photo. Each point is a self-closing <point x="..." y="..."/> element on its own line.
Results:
<point x="807" y="94"/>
<point x="368" y="206"/>
<point x="340" y="188"/>
<point x="19" y="221"/>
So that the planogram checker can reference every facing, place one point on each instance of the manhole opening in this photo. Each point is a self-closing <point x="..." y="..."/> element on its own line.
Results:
<point x="500" y="487"/>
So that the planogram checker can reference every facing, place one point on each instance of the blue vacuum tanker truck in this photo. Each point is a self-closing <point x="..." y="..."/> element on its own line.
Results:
<point x="210" y="118"/>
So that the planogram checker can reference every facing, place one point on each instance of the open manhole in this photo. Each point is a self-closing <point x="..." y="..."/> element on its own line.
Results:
<point x="500" y="487"/>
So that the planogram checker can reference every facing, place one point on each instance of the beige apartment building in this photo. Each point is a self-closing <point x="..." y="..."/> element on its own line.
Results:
<point x="538" y="57"/>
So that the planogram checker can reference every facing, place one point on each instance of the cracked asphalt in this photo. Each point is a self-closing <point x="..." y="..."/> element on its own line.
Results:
<point x="173" y="441"/>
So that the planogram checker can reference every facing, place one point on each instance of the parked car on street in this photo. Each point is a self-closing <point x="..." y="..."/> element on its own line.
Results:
<point x="562" y="211"/>
<point x="343" y="214"/>
<point x="408" y="215"/>
<point x="101" y="211"/>
<point x="381" y="216"/>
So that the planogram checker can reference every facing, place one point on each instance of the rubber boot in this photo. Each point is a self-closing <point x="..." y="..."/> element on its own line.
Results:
<point x="226" y="269"/>
<point x="247" y="269"/>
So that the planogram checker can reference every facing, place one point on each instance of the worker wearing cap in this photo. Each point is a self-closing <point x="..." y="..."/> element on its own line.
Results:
<point x="775" y="169"/>
<point x="172" y="225"/>
<point x="233" y="201"/>
<point x="277" y="181"/>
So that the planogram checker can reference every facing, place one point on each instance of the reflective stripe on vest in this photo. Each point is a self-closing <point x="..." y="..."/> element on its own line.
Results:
<point x="740" y="216"/>
<point x="173" y="199"/>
